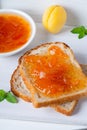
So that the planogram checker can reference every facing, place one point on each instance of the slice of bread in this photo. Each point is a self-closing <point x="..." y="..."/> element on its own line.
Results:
<point x="65" y="108"/>
<point x="19" y="89"/>
<point x="39" y="99"/>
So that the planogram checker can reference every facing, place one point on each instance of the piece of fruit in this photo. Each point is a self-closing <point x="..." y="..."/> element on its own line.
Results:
<point x="54" y="18"/>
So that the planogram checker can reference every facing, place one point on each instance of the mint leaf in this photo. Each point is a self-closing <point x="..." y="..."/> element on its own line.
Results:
<point x="2" y="95"/>
<point x="81" y="35"/>
<point x="82" y="28"/>
<point x="86" y="31"/>
<point x="76" y="30"/>
<point x="81" y="31"/>
<point x="11" y="98"/>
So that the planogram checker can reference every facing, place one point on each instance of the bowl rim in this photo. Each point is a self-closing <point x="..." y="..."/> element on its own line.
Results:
<point x="31" y="22"/>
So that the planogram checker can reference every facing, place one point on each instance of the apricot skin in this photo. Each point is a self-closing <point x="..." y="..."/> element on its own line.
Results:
<point x="54" y="18"/>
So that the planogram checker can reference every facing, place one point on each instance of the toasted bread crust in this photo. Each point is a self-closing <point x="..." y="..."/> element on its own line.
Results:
<point x="37" y="104"/>
<point x="61" y="109"/>
<point x="17" y="93"/>
<point x="42" y="45"/>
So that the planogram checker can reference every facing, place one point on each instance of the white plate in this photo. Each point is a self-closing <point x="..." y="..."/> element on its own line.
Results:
<point x="24" y="110"/>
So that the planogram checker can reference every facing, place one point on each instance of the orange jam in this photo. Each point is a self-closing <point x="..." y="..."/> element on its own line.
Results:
<point x="14" y="32"/>
<point x="53" y="73"/>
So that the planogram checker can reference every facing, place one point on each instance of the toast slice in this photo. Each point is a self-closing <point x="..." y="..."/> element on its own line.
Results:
<point x="19" y="89"/>
<point x="74" y="83"/>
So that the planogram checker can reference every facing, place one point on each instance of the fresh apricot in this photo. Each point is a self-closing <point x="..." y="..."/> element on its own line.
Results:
<point x="54" y="18"/>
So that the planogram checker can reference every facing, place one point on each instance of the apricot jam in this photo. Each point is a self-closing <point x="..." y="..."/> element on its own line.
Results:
<point x="53" y="73"/>
<point x="14" y="32"/>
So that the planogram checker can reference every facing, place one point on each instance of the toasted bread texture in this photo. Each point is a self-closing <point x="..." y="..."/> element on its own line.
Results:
<point x="40" y="99"/>
<point x="65" y="108"/>
<point x="18" y="87"/>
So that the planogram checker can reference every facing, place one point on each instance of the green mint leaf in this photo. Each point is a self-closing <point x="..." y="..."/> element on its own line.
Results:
<point x="2" y="95"/>
<point x="76" y="30"/>
<point x="81" y="30"/>
<point x="86" y="31"/>
<point x="11" y="98"/>
<point x="81" y="35"/>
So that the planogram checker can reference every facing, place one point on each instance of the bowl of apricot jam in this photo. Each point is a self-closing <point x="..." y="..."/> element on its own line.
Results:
<point x="17" y="30"/>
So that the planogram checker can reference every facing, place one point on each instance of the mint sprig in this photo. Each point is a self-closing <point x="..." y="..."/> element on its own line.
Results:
<point x="81" y="31"/>
<point x="2" y="95"/>
<point x="8" y="96"/>
<point x="11" y="98"/>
